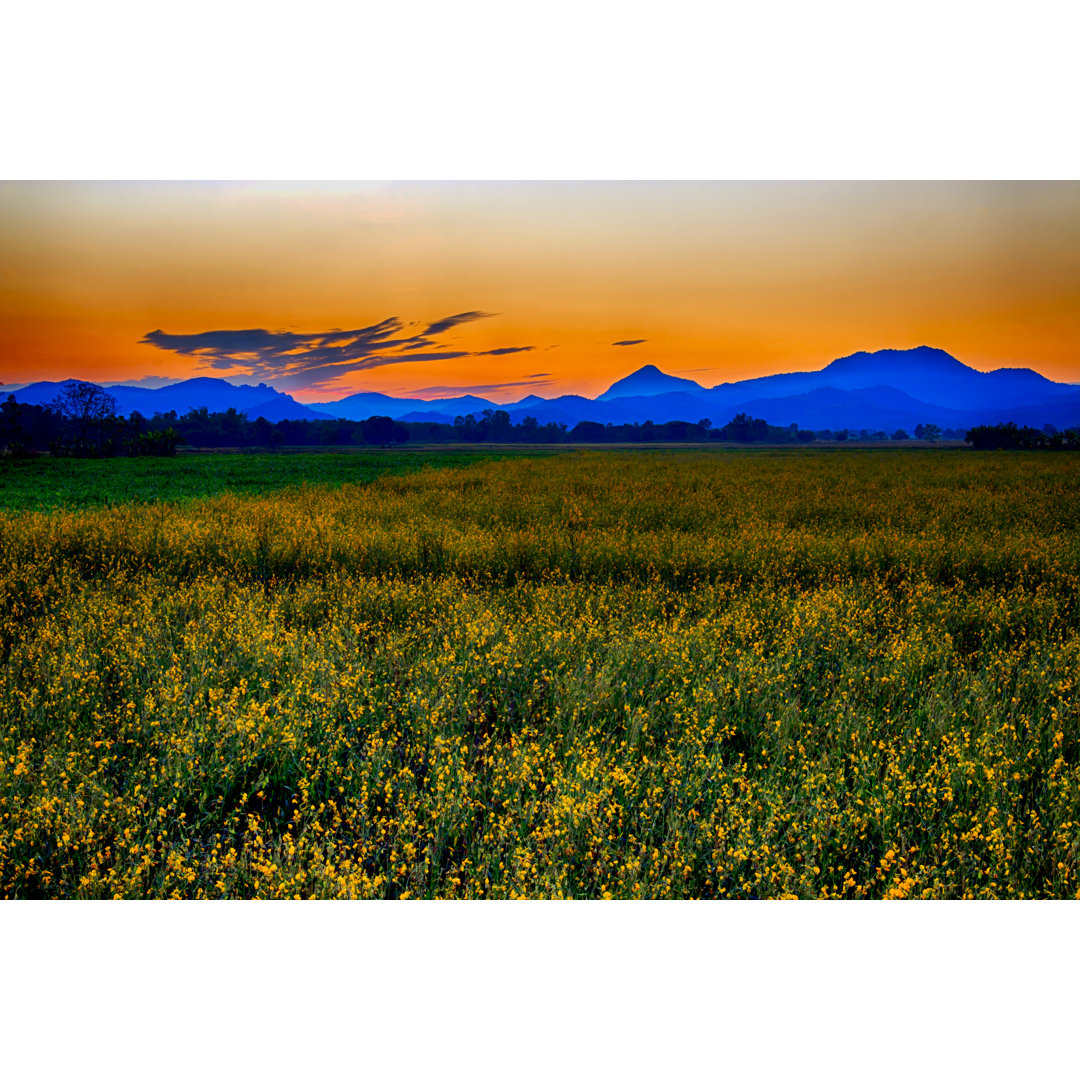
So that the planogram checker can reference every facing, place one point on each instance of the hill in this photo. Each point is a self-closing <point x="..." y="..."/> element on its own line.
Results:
<point x="886" y="389"/>
<point x="648" y="382"/>
<point x="215" y="395"/>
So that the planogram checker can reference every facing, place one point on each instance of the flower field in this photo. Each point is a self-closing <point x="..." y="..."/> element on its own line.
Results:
<point x="598" y="674"/>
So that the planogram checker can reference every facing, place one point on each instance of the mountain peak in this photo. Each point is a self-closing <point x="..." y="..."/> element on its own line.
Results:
<point x="213" y="382"/>
<point x="648" y="381"/>
<point x="922" y="356"/>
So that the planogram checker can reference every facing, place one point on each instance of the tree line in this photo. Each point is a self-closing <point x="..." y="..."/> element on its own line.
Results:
<point x="82" y="422"/>
<point x="1010" y="437"/>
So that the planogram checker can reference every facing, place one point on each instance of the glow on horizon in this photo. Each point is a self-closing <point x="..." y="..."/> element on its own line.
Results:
<point x="716" y="282"/>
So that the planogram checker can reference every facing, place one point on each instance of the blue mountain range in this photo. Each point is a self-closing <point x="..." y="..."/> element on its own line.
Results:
<point x="884" y="390"/>
<point x="215" y="395"/>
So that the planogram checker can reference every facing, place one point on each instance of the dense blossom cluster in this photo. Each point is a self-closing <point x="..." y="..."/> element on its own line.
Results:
<point x="694" y="674"/>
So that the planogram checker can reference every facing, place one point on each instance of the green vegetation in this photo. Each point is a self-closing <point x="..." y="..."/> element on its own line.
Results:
<point x="1011" y="437"/>
<point x="45" y="483"/>
<point x="599" y="674"/>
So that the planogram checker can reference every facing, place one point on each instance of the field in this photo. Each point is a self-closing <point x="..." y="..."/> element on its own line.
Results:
<point x="595" y="674"/>
<point x="44" y="484"/>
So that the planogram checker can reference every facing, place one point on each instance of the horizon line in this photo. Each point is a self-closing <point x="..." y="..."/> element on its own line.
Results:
<point x="467" y="391"/>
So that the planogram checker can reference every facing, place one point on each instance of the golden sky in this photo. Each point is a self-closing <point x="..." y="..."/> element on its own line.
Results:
<point x="437" y="289"/>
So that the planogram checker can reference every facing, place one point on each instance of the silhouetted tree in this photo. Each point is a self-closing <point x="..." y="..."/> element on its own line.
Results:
<point x="588" y="431"/>
<point x="677" y="430"/>
<point x="12" y="440"/>
<point x="161" y="443"/>
<point x="90" y="409"/>
<point x="1010" y="437"/>
<point x="498" y="425"/>
<point x="466" y="429"/>
<point x="745" y="429"/>
<point x="378" y="430"/>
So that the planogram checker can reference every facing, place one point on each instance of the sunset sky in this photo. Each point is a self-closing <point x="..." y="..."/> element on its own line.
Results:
<point x="505" y="289"/>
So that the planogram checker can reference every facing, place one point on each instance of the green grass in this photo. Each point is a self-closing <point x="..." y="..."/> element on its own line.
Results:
<point x="68" y="483"/>
<point x="47" y="483"/>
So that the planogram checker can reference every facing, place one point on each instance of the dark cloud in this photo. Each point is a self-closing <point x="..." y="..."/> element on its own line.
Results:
<point x="451" y="321"/>
<point x="292" y="360"/>
<point x="634" y="341"/>
<point x="540" y="375"/>
<point x="414" y="358"/>
<point x="281" y="352"/>
<point x="323" y="378"/>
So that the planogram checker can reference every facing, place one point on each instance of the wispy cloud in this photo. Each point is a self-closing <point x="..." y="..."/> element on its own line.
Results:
<point x="281" y="350"/>
<point x="324" y="378"/>
<point x="298" y="361"/>
<point x="475" y="388"/>
<point x="451" y="321"/>
<point x="634" y="341"/>
<point x="148" y="382"/>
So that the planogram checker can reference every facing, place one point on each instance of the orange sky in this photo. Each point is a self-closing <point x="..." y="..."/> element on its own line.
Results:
<point x="722" y="281"/>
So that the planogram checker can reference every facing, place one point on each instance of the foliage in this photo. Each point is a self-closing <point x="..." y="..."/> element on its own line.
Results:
<point x="85" y="402"/>
<point x="382" y="431"/>
<point x="1010" y="437"/>
<point x="161" y="443"/>
<point x="699" y="674"/>
<point x="91" y="411"/>
<point x="743" y="428"/>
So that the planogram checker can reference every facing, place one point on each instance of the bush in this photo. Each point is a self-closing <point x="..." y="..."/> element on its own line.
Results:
<point x="156" y="444"/>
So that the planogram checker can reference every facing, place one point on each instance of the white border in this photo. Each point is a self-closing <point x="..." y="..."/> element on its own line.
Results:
<point x="628" y="90"/>
<point x="594" y="89"/>
<point x="540" y="989"/>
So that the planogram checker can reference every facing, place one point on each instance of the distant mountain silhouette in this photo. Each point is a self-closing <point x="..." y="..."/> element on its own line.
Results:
<point x="933" y="375"/>
<point x="879" y="408"/>
<point x="648" y="382"/>
<point x="361" y="406"/>
<point x="571" y="408"/>
<point x="927" y="374"/>
<point x="1062" y="412"/>
<point x="216" y="395"/>
<point x="884" y="390"/>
